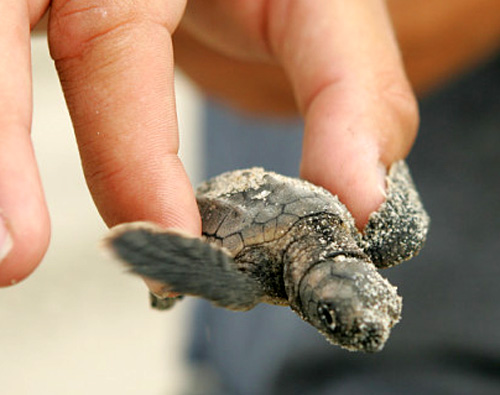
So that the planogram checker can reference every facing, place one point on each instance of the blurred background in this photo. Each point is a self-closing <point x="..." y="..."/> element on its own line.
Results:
<point x="79" y="324"/>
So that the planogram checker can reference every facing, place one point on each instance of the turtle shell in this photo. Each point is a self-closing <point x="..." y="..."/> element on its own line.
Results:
<point x="249" y="207"/>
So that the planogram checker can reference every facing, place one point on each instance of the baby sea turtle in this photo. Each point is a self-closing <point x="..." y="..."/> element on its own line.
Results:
<point x="280" y="240"/>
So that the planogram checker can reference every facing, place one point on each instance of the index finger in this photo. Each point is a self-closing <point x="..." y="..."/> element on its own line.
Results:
<point x="115" y="63"/>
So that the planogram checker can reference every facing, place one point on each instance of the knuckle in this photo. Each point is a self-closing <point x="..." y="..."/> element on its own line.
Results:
<point x="104" y="175"/>
<point x="76" y="25"/>
<point x="102" y="165"/>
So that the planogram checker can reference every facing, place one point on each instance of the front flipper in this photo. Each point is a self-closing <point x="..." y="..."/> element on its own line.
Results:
<point x="186" y="265"/>
<point x="397" y="230"/>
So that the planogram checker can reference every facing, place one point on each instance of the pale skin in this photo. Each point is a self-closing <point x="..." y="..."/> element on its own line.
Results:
<point x="336" y="62"/>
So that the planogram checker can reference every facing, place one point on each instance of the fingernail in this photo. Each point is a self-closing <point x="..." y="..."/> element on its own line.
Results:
<point x="5" y="240"/>
<point x="382" y="174"/>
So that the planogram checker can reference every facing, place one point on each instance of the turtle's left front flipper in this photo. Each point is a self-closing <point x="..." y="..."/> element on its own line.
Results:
<point x="397" y="231"/>
<point x="186" y="265"/>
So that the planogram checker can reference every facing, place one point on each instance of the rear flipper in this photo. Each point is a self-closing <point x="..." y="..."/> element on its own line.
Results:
<point x="184" y="264"/>
<point x="163" y="303"/>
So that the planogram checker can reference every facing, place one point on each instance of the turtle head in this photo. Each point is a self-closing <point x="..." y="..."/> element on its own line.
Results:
<point x="350" y="303"/>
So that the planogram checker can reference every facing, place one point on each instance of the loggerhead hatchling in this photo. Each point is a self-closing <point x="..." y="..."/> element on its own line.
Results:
<point x="280" y="240"/>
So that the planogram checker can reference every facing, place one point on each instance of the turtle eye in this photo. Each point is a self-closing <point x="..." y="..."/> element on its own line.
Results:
<point x="326" y="315"/>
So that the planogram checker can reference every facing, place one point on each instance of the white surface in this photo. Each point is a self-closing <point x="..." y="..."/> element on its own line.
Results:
<point x="79" y="325"/>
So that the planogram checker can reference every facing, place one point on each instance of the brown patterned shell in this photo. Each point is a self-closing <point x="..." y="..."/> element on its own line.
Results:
<point x="249" y="207"/>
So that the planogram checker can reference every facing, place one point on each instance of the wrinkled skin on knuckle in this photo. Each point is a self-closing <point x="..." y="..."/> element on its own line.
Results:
<point x="75" y="25"/>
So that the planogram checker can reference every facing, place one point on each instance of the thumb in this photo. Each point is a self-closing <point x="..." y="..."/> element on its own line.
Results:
<point x="360" y="112"/>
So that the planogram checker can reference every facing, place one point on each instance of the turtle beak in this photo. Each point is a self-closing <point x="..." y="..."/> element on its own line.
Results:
<point x="351" y="329"/>
<point x="350" y="304"/>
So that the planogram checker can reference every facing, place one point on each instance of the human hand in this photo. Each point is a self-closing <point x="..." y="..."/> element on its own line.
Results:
<point x="336" y="61"/>
<point x="115" y="61"/>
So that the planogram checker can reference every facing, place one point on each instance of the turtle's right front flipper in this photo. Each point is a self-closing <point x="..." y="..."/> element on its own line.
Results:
<point x="184" y="264"/>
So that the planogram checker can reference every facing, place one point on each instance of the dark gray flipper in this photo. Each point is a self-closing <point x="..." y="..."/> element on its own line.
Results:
<point x="397" y="231"/>
<point x="184" y="264"/>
